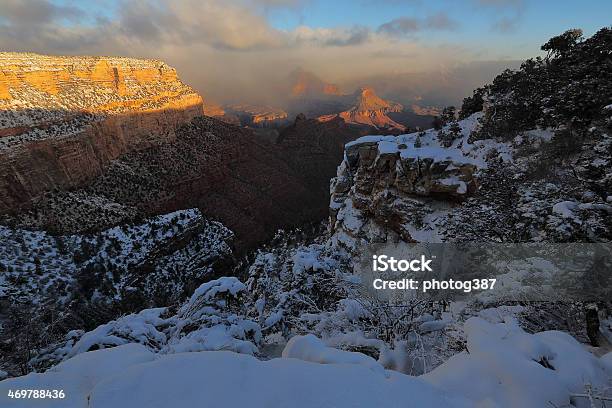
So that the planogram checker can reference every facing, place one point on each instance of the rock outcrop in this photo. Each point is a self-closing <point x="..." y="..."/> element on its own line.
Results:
<point x="316" y="98"/>
<point x="257" y="115"/>
<point x="386" y="177"/>
<point x="63" y="119"/>
<point x="216" y="111"/>
<point x="444" y="186"/>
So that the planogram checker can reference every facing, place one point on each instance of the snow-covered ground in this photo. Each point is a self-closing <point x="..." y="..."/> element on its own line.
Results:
<point x="37" y="264"/>
<point x="427" y="144"/>
<point x="502" y="367"/>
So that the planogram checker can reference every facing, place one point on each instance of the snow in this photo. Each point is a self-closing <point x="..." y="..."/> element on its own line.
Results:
<point x="42" y="257"/>
<point x="306" y="259"/>
<point x="607" y="361"/>
<point x="568" y="210"/>
<point x="274" y="318"/>
<point x="225" y="379"/>
<point x="203" y="323"/>
<point x="508" y="364"/>
<point x="504" y="367"/>
<point x="437" y="154"/>
<point x="77" y="377"/>
<point x="499" y="314"/>
<point x="353" y="310"/>
<point x="461" y="151"/>
<point x="454" y="181"/>
<point x="536" y="135"/>
<point x="434" y="325"/>
<point x="135" y="328"/>
<point x="565" y="209"/>
<point x="387" y="147"/>
<point x="310" y="348"/>
<point x="350" y="216"/>
<point x="595" y="206"/>
<point x="209" y="290"/>
<point x="370" y="139"/>
<point x="428" y="232"/>
<point x="218" y="337"/>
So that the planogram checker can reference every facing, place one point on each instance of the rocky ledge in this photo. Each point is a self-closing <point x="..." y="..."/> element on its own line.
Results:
<point x="387" y="184"/>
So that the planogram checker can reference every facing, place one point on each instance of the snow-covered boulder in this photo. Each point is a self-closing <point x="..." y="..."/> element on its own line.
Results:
<point x="515" y="369"/>
<point x="310" y="348"/>
<point x="211" y="319"/>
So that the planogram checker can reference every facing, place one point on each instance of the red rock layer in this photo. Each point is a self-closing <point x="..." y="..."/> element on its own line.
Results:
<point x="63" y="119"/>
<point x="370" y="110"/>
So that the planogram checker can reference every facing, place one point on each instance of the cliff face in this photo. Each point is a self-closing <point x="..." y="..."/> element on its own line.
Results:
<point x="386" y="185"/>
<point x="63" y="119"/>
<point x="407" y="187"/>
<point x="253" y="186"/>
<point x="88" y="143"/>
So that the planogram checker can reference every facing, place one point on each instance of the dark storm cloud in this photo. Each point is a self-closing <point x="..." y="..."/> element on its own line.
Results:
<point x="352" y="36"/>
<point x="409" y="25"/>
<point x="36" y="11"/>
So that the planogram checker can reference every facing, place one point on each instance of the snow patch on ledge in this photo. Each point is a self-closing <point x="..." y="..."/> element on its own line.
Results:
<point x="438" y="154"/>
<point x="370" y="139"/>
<point x="426" y="145"/>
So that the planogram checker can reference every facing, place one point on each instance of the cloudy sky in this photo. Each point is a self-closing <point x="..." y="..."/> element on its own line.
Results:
<point x="233" y="49"/>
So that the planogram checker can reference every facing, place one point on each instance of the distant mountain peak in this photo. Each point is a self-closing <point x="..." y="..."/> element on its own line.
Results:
<point x="368" y="100"/>
<point x="307" y="84"/>
<point x="369" y="109"/>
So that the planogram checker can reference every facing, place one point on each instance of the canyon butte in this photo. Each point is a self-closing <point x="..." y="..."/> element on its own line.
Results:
<point x="363" y="110"/>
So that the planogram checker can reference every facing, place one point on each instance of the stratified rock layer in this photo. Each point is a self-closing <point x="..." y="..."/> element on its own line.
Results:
<point x="256" y="115"/>
<point x="386" y="180"/>
<point x="63" y="119"/>
<point x="370" y="110"/>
